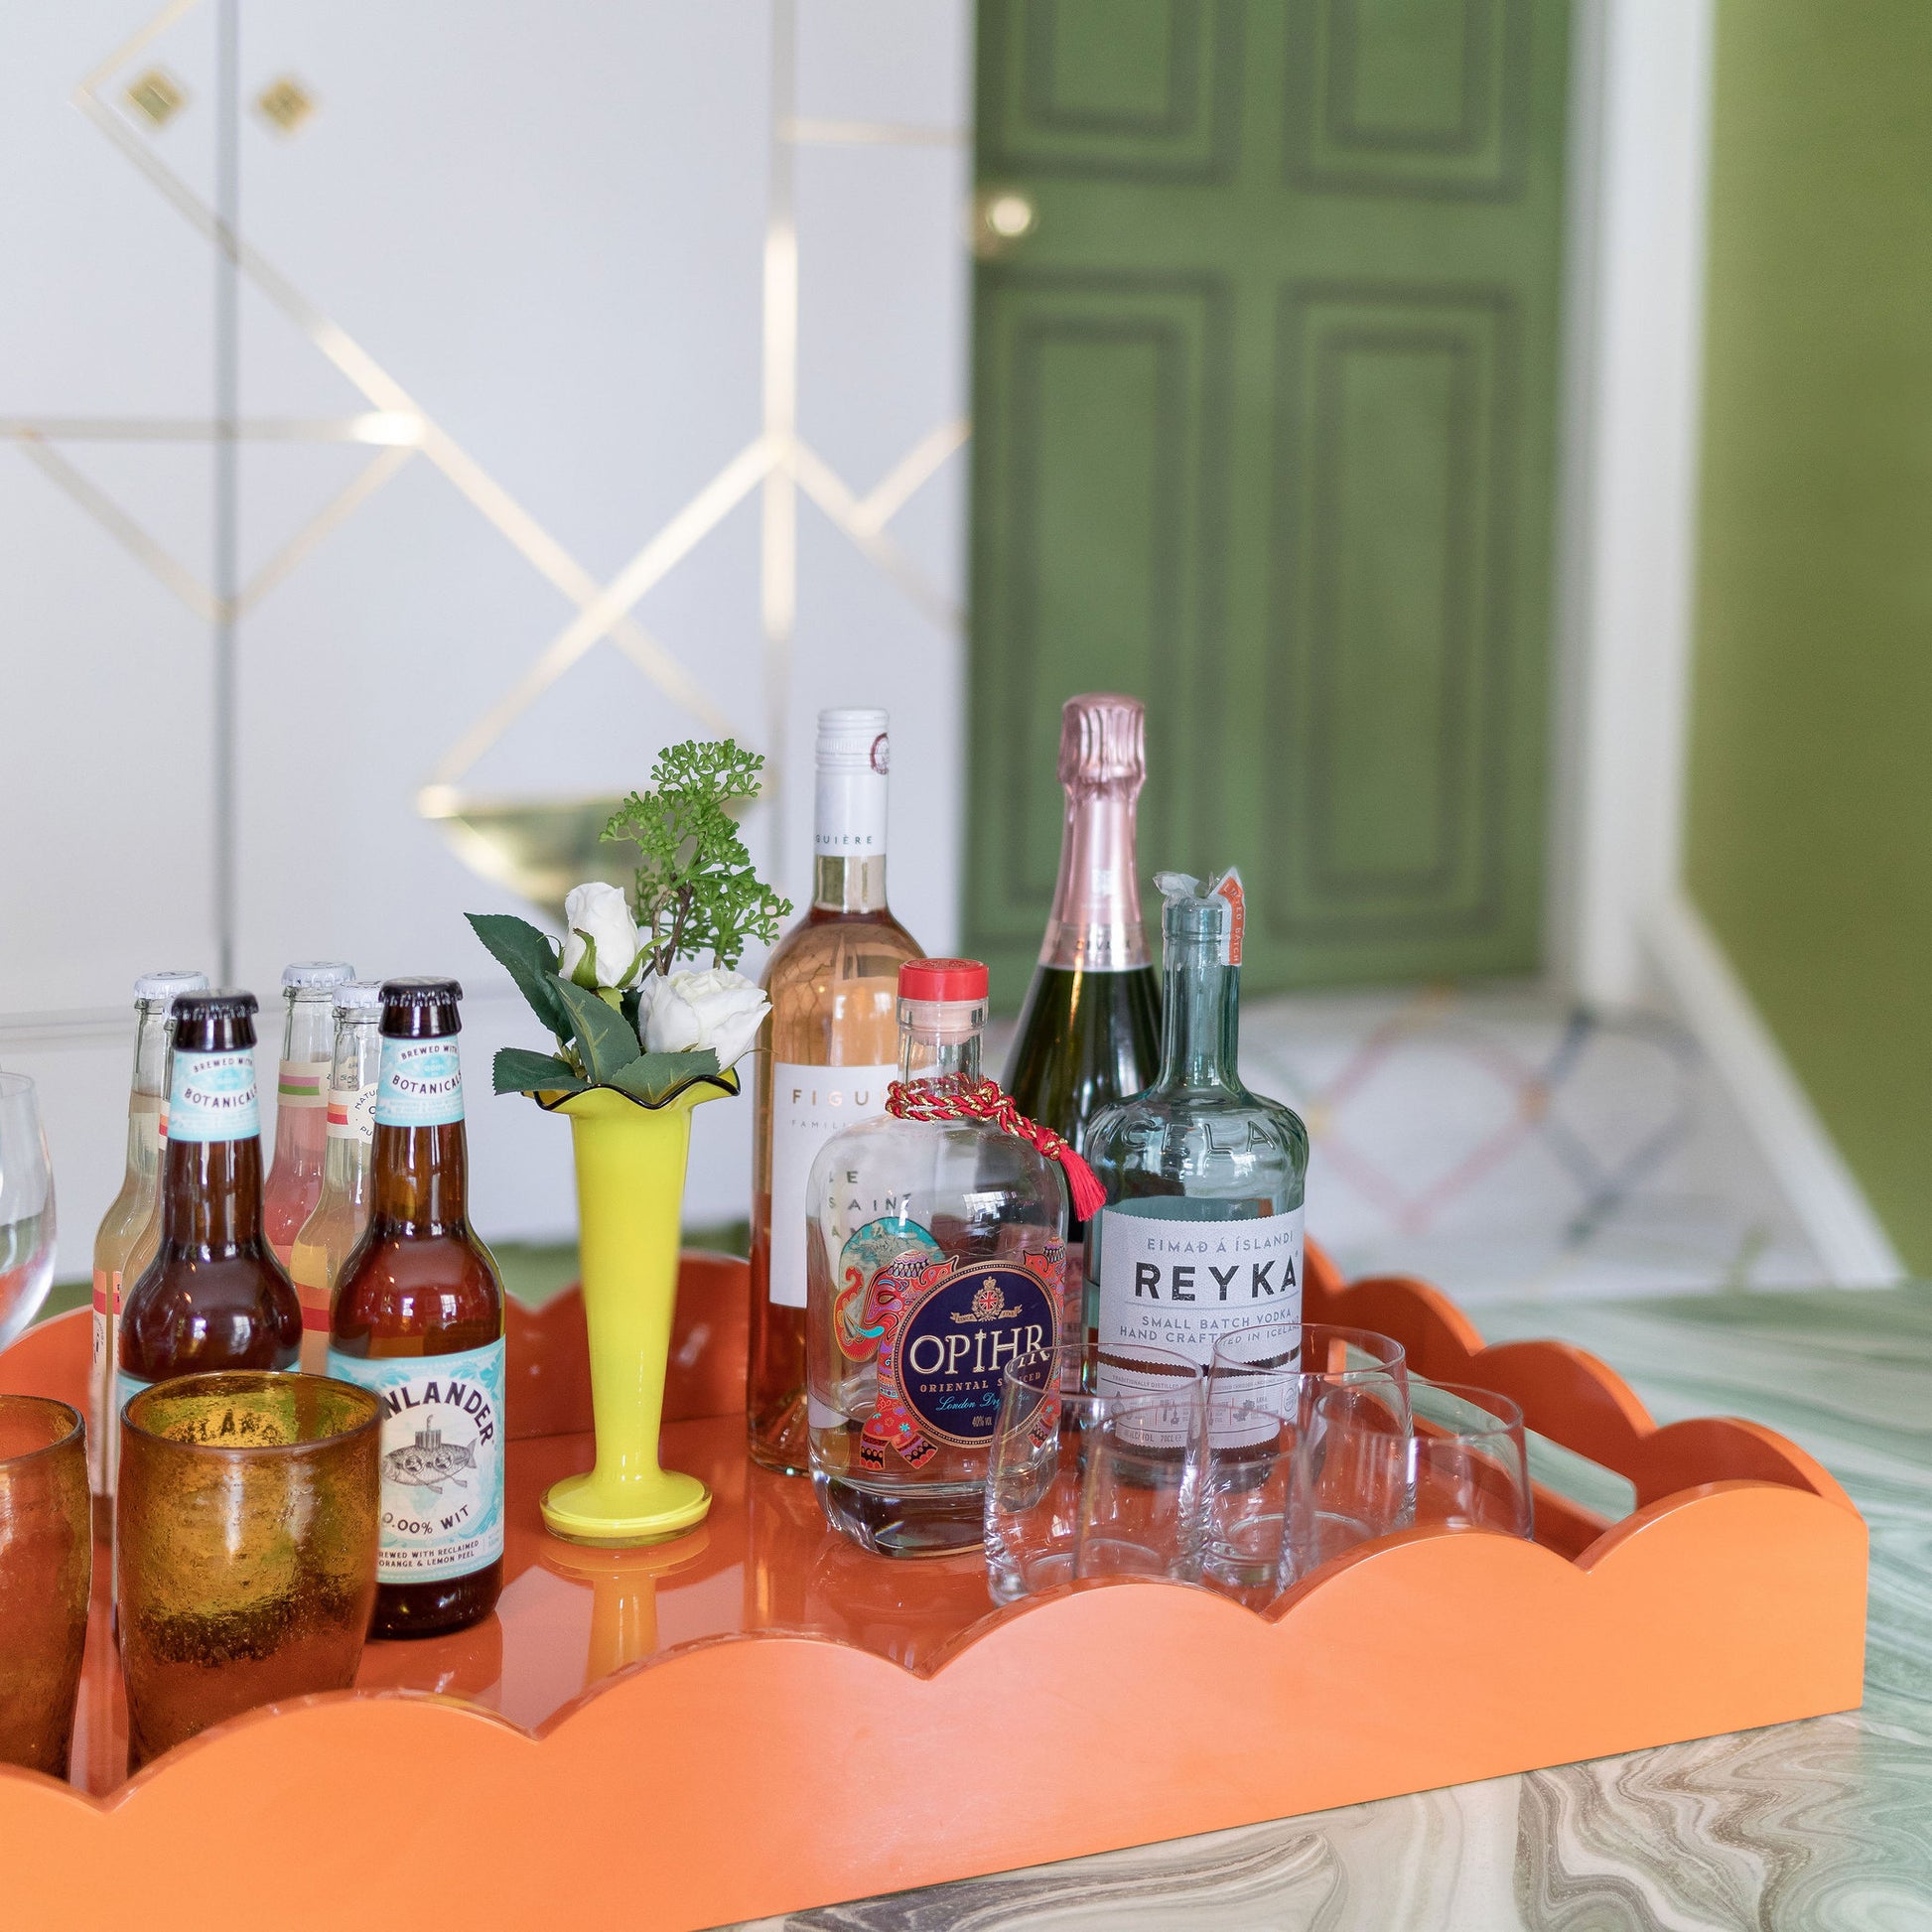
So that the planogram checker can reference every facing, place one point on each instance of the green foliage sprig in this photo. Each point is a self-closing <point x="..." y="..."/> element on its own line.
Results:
<point x="697" y="890"/>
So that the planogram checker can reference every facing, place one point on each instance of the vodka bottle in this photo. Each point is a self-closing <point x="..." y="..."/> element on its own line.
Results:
<point x="833" y="984"/>
<point x="1202" y="1228"/>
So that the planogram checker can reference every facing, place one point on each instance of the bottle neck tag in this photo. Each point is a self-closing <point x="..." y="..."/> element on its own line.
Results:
<point x="420" y="1085"/>
<point x="849" y="819"/>
<point x="213" y="1096"/>
<point x="1228" y="887"/>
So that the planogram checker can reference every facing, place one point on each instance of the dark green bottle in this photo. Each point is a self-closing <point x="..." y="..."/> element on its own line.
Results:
<point x="1090" y="1031"/>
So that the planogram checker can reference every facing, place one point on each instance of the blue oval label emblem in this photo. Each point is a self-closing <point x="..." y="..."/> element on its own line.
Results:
<point x="957" y="1340"/>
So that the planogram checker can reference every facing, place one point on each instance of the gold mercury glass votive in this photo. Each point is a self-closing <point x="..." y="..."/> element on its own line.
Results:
<point x="46" y="1561"/>
<point x="245" y="1532"/>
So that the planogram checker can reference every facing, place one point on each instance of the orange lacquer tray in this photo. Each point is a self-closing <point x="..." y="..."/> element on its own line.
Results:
<point x="758" y="1717"/>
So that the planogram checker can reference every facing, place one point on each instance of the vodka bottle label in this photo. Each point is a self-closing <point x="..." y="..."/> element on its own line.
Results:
<point x="1178" y="1279"/>
<point x="420" y="1084"/>
<point x="213" y="1096"/>
<point x="810" y="1104"/>
<point x="442" y="1457"/>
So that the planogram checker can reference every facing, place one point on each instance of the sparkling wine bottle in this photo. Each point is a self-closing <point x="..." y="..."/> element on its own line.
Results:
<point x="833" y="982"/>
<point x="1089" y="1032"/>
<point x="1202" y="1228"/>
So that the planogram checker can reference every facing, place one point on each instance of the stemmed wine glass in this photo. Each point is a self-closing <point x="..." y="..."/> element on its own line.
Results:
<point x="26" y="1206"/>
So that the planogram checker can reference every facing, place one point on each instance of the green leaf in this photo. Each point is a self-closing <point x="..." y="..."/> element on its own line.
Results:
<point x="602" y="1039"/>
<point x="531" y="961"/>
<point x="654" y="1077"/>
<point x="517" y="1070"/>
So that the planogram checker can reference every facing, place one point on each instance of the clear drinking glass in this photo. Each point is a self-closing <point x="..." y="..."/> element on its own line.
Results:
<point x="1471" y="1455"/>
<point x="26" y="1206"/>
<point x="1097" y="1468"/>
<point x="245" y="1545"/>
<point x="46" y="1566"/>
<point x="1307" y="1427"/>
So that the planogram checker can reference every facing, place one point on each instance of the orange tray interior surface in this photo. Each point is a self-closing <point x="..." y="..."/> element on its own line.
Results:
<point x="759" y="1717"/>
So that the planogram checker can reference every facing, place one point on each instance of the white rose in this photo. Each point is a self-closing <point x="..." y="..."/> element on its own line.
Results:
<point x="600" y="947"/>
<point x="683" y="1011"/>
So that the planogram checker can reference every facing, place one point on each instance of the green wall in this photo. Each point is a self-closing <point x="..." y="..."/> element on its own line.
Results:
<point x="1809" y="843"/>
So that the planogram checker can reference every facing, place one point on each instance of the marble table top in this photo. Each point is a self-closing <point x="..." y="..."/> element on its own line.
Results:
<point x="1825" y="1824"/>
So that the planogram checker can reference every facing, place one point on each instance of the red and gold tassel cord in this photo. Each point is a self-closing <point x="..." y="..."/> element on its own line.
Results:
<point x="955" y="1099"/>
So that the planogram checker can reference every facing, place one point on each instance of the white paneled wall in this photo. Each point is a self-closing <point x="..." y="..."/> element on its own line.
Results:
<point x="547" y="231"/>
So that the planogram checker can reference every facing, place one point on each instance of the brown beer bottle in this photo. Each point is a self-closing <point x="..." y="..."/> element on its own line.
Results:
<point x="419" y="1320"/>
<point x="213" y="1296"/>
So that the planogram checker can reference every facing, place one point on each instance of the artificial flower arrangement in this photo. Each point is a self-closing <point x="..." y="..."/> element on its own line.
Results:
<point x="622" y="1011"/>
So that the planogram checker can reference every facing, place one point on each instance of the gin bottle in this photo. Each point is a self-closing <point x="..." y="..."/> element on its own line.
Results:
<point x="833" y="983"/>
<point x="1089" y="1032"/>
<point x="1202" y="1228"/>
<point x="935" y="1253"/>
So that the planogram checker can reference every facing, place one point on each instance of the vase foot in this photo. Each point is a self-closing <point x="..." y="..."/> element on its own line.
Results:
<point x="579" y="1511"/>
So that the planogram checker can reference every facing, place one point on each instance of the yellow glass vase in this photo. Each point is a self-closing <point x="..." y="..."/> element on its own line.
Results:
<point x="631" y="1161"/>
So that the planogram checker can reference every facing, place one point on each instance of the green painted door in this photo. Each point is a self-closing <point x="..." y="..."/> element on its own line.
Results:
<point x="1265" y="433"/>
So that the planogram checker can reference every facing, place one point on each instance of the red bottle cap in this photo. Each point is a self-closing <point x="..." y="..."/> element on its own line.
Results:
<point x="943" y="979"/>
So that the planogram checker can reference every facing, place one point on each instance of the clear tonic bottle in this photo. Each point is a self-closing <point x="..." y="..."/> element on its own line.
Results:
<point x="1202" y="1228"/>
<point x="342" y="1212"/>
<point x="127" y="1217"/>
<point x="301" y="1098"/>
<point x="935" y="1256"/>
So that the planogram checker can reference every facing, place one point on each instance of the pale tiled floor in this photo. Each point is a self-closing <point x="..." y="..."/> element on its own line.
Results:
<point x="1507" y="1146"/>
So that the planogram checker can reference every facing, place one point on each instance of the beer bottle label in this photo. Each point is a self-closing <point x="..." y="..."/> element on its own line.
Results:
<point x="442" y="1456"/>
<point x="213" y="1096"/>
<point x="351" y="1114"/>
<point x="420" y="1085"/>
<point x="301" y="1083"/>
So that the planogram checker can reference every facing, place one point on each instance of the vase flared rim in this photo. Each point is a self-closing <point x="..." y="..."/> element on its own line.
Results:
<point x="554" y="1100"/>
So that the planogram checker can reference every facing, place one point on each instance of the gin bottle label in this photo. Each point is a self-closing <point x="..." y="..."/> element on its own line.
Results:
<point x="1179" y="1282"/>
<point x="810" y="1104"/>
<point x="442" y="1457"/>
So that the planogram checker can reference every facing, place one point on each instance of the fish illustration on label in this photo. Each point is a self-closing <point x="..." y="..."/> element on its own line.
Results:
<point x="429" y="1462"/>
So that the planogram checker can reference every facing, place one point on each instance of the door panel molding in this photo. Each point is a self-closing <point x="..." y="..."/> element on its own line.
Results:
<point x="1389" y="686"/>
<point x="1039" y="126"/>
<point x="1341" y="141"/>
<point x="1138" y="365"/>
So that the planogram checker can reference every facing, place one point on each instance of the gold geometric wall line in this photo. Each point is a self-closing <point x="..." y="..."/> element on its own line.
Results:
<point x="120" y="526"/>
<point x="331" y="517"/>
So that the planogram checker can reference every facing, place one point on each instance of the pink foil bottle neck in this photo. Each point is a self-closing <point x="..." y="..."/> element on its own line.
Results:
<point x="1095" y="925"/>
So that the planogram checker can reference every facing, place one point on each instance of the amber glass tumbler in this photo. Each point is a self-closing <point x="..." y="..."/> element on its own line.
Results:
<point x="245" y="1532"/>
<point x="46" y="1561"/>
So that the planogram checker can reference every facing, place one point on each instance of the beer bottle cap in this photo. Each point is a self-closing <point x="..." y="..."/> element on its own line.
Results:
<point x="414" y="1009"/>
<point x="223" y="1003"/>
<point x="317" y="972"/>
<point x="359" y="996"/>
<point x="164" y="986"/>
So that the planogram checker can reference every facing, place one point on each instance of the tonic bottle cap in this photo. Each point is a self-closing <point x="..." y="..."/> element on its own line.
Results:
<point x="223" y="1003"/>
<point x="943" y="979"/>
<point x="359" y="996"/>
<point x="317" y="972"/>
<point x="420" y="1009"/>
<point x="1103" y="741"/>
<point x="164" y="986"/>
<point x="854" y="739"/>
